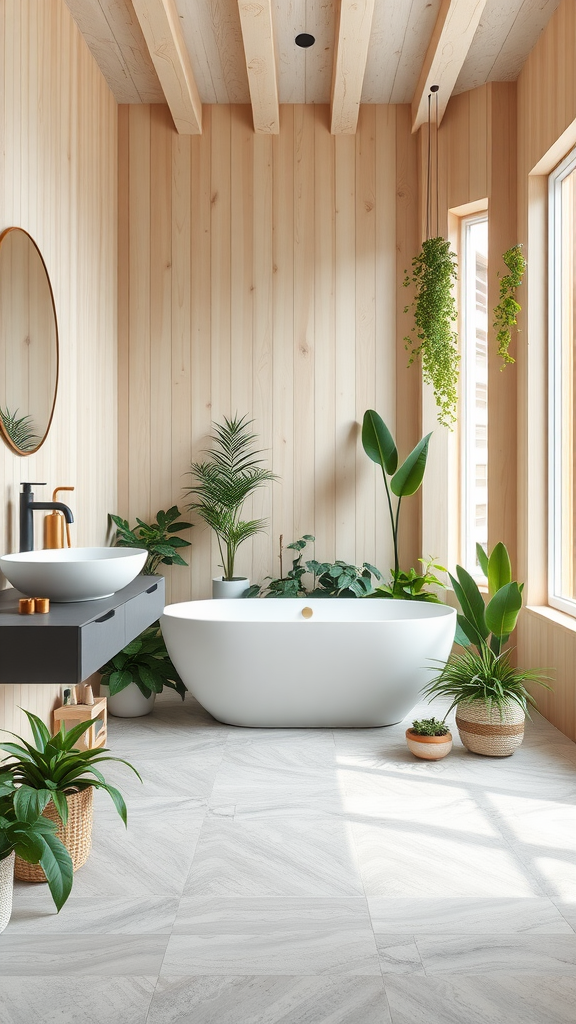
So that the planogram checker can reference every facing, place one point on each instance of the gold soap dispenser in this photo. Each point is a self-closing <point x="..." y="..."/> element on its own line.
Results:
<point x="54" y="525"/>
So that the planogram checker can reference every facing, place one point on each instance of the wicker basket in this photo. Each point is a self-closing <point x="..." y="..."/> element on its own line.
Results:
<point x="483" y="730"/>
<point x="76" y="835"/>
<point x="6" y="889"/>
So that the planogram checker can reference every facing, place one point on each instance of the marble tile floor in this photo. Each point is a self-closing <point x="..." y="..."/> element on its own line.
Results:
<point x="309" y="877"/>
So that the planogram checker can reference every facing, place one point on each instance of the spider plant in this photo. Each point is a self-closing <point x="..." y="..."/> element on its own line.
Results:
<point x="223" y="482"/>
<point x="20" y="430"/>
<point x="34" y="839"/>
<point x="52" y="767"/>
<point x="483" y="670"/>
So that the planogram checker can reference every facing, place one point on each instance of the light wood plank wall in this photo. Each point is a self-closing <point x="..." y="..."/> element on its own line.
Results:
<point x="546" y="133"/>
<point x="258" y="275"/>
<point x="58" y="181"/>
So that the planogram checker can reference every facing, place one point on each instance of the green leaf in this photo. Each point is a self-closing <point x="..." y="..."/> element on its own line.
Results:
<point x="411" y="473"/>
<point x="29" y="802"/>
<point x="73" y="735"/>
<point x="57" y="866"/>
<point x="482" y="558"/>
<point x="117" y="799"/>
<point x="119" y="681"/>
<point x="473" y="604"/>
<point x="40" y="731"/>
<point x="503" y="610"/>
<point x="378" y="442"/>
<point x="461" y="636"/>
<point x="499" y="569"/>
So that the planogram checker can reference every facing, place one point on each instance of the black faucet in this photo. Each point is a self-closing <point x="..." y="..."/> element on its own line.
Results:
<point x="27" y="507"/>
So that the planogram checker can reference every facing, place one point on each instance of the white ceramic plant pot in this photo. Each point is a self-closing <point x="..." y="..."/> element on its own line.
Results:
<point x="484" y="731"/>
<point x="6" y="889"/>
<point x="235" y="587"/>
<point x="129" y="703"/>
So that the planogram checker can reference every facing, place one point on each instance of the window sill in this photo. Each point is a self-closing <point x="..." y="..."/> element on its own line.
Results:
<point x="553" y="615"/>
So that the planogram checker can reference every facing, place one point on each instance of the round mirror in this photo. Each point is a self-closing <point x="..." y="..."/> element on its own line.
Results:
<point x="28" y="344"/>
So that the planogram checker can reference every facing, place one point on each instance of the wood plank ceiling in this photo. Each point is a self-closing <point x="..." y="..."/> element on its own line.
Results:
<point x="243" y="51"/>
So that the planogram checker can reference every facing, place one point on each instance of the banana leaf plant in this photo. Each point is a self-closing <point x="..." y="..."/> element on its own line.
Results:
<point x="487" y="625"/>
<point x="34" y="839"/>
<point x="53" y="767"/>
<point x="405" y="480"/>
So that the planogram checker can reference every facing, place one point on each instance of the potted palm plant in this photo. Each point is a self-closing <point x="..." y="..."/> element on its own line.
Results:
<point x="222" y="483"/>
<point x="33" y="838"/>
<point x="54" y="779"/>
<point x="489" y="693"/>
<point x="133" y="677"/>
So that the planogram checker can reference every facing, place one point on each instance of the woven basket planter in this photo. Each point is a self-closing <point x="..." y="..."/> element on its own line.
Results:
<point x="430" y="748"/>
<point x="483" y="730"/>
<point x="6" y="889"/>
<point x="76" y="835"/>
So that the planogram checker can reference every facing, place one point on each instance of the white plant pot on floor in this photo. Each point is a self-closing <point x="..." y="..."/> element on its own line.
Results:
<point x="6" y="889"/>
<point x="235" y="587"/>
<point x="129" y="703"/>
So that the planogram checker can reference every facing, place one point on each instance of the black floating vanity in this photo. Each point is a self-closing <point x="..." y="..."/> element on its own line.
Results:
<point x="72" y="641"/>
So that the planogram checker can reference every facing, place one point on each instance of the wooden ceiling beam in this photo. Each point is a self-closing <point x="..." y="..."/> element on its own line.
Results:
<point x="351" y="52"/>
<point x="451" y="39"/>
<point x="162" y="31"/>
<point x="260" y="52"/>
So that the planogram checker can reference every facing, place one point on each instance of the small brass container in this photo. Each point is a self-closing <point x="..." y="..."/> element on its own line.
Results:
<point x="42" y="605"/>
<point x="26" y="606"/>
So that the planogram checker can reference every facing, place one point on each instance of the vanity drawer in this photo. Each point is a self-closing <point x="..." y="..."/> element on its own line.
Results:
<point x="100" y="640"/>
<point x="144" y="609"/>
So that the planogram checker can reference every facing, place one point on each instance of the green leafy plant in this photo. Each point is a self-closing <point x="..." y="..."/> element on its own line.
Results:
<point x="483" y="671"/>
<point x="223" y="482"/>
<point x="411" y="585"/>
<point x="34" y="839"/>
<point x="20" y="430"/>
<point x="158" y="539"/>
<point x="430" y="727"/>
<point x="329" y="579"/>
<point x="506" y="312"/>
<point x="146" y="662"/>
<point x="434" y="272"/>
<point x="51" y="767"/>
<point x="379" y="446"/>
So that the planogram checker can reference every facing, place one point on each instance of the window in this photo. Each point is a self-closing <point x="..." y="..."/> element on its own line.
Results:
<point x="562" y="393"/>
<point x="474" y="417"/>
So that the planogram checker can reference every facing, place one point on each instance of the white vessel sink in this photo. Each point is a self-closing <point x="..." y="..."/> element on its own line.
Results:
<point x="73" y="574"/>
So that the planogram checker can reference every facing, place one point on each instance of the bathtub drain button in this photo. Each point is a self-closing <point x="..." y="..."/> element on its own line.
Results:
<point x="307" y="613"/>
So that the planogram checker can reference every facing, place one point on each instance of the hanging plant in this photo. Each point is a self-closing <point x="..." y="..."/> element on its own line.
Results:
<point x="434" y="272"/>
<point x="506" y="312"/>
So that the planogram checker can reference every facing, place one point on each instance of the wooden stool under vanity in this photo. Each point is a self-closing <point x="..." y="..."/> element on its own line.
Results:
<point x="73" y="714"/>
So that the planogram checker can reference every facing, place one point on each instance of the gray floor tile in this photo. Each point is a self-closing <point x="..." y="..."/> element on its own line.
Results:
<point x="34" y="913"/>
<point x="269" y="1000"/>
<point x="498" y="954"/>
<point x="398" y="955"/>
<point x="272" y="936"/>
<point x="274" y="857"/>
<point x="482" y="999"/>
<point x="108" y="955"/>
<point x="503" y="915"/>
<point x="63" y="1000"/>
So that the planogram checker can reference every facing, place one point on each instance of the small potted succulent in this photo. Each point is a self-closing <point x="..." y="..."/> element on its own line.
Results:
<point x="133" y="677"/>
<point x="221" y="484"/>
<point x="429" y="738"/>
<point x="54" y="779"/>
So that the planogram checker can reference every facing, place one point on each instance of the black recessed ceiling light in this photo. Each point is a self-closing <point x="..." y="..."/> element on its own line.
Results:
<point x="305" y="40"/>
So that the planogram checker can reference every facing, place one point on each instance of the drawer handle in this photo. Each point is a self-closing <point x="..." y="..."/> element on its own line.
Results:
<point x="152" y="588"/>
<point x="109" y="615"/>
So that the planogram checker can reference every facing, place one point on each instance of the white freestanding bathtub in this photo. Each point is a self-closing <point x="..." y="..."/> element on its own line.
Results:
<point x="352" y="663"/>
